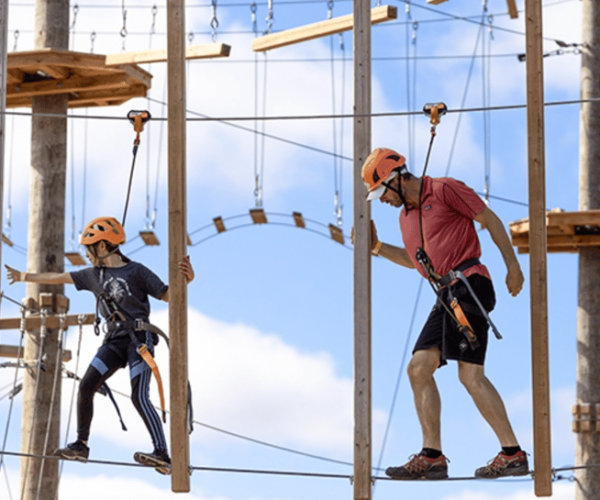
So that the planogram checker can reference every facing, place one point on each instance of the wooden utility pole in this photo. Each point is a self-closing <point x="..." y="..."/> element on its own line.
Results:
<point x="363" y="448"/>
<point x="538" y="248"/>
<point x="180" y="444"/>
<point x="3" y="60"/>
<point x="587" y="484"/>
<point x="45" y="243"/>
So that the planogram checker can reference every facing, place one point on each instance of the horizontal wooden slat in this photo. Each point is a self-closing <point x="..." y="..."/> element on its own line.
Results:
<point x="12" y="351"/>
<point x="34" y="322"/>
<point x="320" y="29"/>
<point x="160" y="55"/>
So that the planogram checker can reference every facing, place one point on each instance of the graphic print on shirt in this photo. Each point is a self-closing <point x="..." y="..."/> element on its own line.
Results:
<point x="117" y="288"/>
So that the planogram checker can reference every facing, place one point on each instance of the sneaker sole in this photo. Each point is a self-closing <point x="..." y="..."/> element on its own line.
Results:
<point x="517" y="471"/>
<point x="438" y="475"/>
<point x="72" y="458"/>
<point x="160" y="466"/>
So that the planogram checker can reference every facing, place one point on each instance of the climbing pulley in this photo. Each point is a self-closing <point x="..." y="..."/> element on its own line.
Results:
<point x="435" y="111"/>
<point x="138" y="119"/>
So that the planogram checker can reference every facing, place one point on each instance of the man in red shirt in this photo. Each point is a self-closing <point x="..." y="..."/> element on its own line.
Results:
<point x="439" y="237"/>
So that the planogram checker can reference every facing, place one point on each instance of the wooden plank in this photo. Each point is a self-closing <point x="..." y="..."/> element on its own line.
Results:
<point x="512" y="9"/>
<point x="219" y="224"/>
<point x="320" y="29"/>
<point x="258" y="216"/>
<point x="35" y="322"/>
<point x="298" y="219"/>
<point x="180" y="444"/>
<point x="56" y="72"/>
<point x="562" y="240"/>
<point x="14" y="75"/>
<point x="149" y="238"/>
<point x="363" y="434"/>
<point x="542" y="456"/>
<point x="46" y="56"/>
<point x="71" y="85"/>
<point x="110" y="97"/>
<point x="12" y="351"/>
<point x="336" y="233"/>
<point x="160" y="55"/>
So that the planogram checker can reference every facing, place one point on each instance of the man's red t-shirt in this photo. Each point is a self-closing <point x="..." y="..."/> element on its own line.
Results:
<point x="448" y="210"/>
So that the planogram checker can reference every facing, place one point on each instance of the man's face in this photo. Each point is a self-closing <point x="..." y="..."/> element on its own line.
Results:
<point x="390" y="196"/>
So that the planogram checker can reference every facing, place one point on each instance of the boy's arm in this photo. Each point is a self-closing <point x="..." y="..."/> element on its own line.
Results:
<point x="15" y="275"/>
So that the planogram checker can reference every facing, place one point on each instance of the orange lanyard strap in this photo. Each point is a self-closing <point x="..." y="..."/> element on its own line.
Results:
<point x="143" y="351"/>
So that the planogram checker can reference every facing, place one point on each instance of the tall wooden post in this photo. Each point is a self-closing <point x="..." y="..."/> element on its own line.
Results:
<point x="180" y="450"/>
<point x="588" y="311"/>
<point x="3" y="60"/>
<point x="362" y="255"/>
<point x="45" y="253"/>
<point x="538" y="246"/>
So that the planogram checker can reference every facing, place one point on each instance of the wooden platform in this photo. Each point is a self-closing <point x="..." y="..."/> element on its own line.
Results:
<point x="567" y="231"/>
<point x="86" y="78"/>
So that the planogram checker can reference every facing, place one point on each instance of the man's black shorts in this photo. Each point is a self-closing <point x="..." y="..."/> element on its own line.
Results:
<point x="441" y="330"/>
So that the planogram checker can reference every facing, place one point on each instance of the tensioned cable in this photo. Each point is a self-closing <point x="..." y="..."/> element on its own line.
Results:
<point x="464" y="100"/>
<point x="399" y="377"/>
<point x="322" y="475"/>
<point x="385" y="114"/>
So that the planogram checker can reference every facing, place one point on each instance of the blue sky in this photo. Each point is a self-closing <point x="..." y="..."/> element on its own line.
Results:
<point x="270" y="311"/>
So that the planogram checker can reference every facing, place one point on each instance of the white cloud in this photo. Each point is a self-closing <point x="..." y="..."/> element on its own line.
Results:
<point x="560" y="491"/>
<point x="246" y="382"/>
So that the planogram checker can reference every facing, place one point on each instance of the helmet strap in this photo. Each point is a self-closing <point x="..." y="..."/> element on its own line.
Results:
<point x="388" y="185"/>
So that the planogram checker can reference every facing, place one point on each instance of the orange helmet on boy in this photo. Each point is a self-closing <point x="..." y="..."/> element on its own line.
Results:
<point x="106" y="229"/>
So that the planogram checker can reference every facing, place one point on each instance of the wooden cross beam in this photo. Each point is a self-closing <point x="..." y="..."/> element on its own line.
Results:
<point x="160" y="55"/>
<point x="320" y="29"/>
<point x="52" y="321"/>
<point x="12" y="351"/>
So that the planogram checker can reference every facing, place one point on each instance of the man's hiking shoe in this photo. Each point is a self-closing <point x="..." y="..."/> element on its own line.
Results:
<point x="74" y="451"/>
<point x="420" y="467"/>
<point x="158" y="459"/>
<point x="503" y="465"/>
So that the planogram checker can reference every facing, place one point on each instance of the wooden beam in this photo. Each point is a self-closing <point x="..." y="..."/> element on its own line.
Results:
<point x="178" y="353"/>
<point x="542" y="456"/>
<point x="56" y="72"/>
<point x="556" y="241"/>
<point x="12" y="351"/>
<point x="320" y="29"/>
<point x="512" y="9"/>
<point x="35" y="322"/>
<point x="14" y="76"/>
<point x="160" y="55"/>
<point x="71" y="85"/>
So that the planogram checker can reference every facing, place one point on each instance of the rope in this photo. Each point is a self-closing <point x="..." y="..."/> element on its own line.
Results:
<point x="43" y="332"/>
<point x="57" y="369"/>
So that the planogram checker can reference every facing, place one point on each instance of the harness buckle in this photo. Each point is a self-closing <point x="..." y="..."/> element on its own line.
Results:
<point x="138" y="324"/>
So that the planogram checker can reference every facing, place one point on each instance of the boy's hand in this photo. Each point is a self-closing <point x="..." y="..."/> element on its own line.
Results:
<point x="185" y="266"/>
<point x="13" y="274"/>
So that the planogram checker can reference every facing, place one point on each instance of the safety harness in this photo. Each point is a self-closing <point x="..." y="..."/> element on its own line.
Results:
<point x="442" y="283"/>
<point x="116" y="321"/>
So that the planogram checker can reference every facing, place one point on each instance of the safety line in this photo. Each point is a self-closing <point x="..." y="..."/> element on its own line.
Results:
<point x="314" y="117"/>
<point x="323" y="475"/>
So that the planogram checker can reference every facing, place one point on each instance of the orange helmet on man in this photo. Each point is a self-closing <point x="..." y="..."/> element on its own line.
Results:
<point x="106" y="229"/>
<point x="378" y="168"/>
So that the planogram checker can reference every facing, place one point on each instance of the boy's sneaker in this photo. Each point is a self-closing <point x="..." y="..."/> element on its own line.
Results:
<point x="158" y="459"/>
<point x="74" y="451"/>
<point x="420" y="467"/>
<point x="504" y="465"/>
